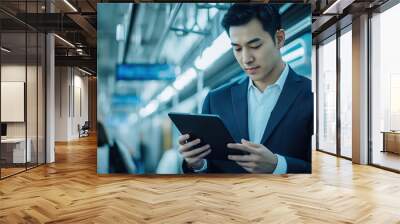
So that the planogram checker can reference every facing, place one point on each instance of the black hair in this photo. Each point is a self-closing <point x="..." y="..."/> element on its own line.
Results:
<point x="239" y="14"/>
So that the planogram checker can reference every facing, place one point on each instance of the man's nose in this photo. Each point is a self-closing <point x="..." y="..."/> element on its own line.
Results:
<point x="247" y="57"/>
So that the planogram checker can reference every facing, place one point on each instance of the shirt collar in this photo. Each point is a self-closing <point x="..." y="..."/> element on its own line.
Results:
<point x="280" y="82"/>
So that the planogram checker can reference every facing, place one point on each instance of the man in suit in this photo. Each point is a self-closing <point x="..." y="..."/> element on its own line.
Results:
<point x="269" y="113"/>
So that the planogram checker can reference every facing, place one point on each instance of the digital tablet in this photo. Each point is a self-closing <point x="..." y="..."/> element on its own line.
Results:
<point x="209" y="129"/>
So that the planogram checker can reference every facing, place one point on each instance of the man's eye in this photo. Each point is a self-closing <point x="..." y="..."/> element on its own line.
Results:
<point x="257" y="46"/>
<point x="238" y="49"/>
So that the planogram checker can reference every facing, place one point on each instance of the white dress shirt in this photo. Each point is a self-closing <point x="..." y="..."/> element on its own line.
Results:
<point x="260" y="105"/>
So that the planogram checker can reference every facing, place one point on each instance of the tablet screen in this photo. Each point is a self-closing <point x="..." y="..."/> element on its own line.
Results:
<point x="210" y="129"/>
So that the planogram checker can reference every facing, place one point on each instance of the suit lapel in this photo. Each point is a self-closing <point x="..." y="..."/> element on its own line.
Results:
<point x="289" y="93"/>
<point x="239" y="103"/>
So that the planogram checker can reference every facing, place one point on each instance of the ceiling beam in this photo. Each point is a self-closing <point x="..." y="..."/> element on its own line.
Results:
<point x="84" y="24"/>
<point x="83" y="61"/>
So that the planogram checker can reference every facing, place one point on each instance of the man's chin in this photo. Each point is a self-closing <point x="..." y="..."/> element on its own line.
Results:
<point x="254" y="77"/>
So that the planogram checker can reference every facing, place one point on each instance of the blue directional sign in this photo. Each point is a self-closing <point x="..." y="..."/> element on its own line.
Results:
<point x="145" y="72"/>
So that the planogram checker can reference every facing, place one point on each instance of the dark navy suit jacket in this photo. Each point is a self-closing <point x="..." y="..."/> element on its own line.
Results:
<point x="289" y="129"/>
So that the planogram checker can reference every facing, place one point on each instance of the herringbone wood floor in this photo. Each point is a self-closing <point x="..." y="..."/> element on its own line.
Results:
<point x="70" y="191"/>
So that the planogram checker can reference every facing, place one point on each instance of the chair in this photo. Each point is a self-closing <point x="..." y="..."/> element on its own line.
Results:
<point x="84" y="130"/>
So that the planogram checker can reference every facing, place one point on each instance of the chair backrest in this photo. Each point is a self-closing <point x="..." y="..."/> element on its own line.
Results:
<point x="86" y="124"/>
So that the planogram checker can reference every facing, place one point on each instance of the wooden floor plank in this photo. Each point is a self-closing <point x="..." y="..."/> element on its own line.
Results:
<point x="70" y="191"/>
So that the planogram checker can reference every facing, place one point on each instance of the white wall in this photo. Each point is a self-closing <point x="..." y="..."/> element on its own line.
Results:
<point x="70" y="83"/>
<point x="61" y="103"/>
<point x="80" y="84"/>
<point x="13" y="73"/>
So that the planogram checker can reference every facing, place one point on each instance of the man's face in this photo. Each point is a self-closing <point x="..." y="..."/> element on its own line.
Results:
<point x="254" y="49"/>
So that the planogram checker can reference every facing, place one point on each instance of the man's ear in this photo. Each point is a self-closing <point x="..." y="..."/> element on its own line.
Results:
<point x="280" y="38"/>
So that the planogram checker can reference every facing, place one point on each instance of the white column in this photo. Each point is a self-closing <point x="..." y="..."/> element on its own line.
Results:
<point x="50" y="101"/>
<point x="50" y="92"/>
<point x="360" y="90"/>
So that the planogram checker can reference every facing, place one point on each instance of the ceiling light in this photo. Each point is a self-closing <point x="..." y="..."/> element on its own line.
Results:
<point x="64" y="40"/>
<point x="295" y="50"/>
<point x="149" y="109"/>
<point x="329" y="9"/>
<point x="5" y="50"/>
<point x="284" y="8"/>
<point x="184" y="79"/>
<point x="166" y="94"/>
<point x="218" y="47"/>
<point x="84" y="71"/>
<point x="70" y="5"/>
<point x="338" y="6"/>
<point x="298" y="27"/>
<point x="294" y="55"/>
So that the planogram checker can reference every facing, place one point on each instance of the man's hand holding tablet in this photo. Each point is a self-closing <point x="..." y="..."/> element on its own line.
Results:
<point x="204" y="136"/>
<point x="192" y="152"/>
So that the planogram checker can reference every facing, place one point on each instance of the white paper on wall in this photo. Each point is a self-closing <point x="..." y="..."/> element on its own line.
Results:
<point x="12" y="101"/>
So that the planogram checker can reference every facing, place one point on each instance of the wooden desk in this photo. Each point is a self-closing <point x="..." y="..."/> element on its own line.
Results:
<point x="13" y="150"/>
<point x="391" y="141"/>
